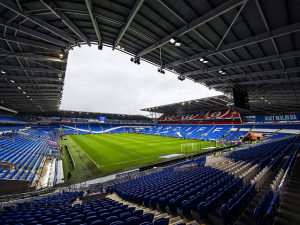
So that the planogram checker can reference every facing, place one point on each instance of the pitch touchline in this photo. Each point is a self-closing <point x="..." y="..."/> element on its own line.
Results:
<point x="85" y="154"/>
<point x="130" y="161"/>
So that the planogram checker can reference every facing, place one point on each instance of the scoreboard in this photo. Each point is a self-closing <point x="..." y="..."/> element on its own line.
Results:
<point x="102" y="118"/>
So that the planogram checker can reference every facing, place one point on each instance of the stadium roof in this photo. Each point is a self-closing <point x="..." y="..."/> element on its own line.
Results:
<point x="250" y="44"/>
<point x="93" y="115"/>
<point x="258" y="106"/>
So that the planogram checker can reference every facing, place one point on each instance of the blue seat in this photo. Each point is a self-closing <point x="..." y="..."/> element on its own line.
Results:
<point x="162" y="203"/>
<point x="90" y="219"/>
<point x="66" y="220"/>
<point x="111" y="219"/>
<point x="153" y="202"/>
<point x="76" y="222"/>
<point x="224" y="210"/>
<point x="124" y="216"/>
<point x="137" y="213"/>
<point x="161" y="221"/>
<point x="98" y="222"/>
<point x="186" y="208"/>
<point x="117" y="223"/>
<point x="132" y="221"/>
<point x="257" y="215"/>
<point x="117" y="212"/>
<point x="147" y="217"/>
<point x="129" y="209"/>
<point x="173" y="206"/>
<point x="103" y="216"/>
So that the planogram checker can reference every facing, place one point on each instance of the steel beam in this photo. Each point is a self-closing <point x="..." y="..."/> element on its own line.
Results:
<point x="94" y="20"/>
<point x="40" y="70"/>
<point x="13" y="7"/>
<point x="256" y="82"/>
<point x="33" y="33"/>
<point x="131" y="16"/>
<point x="248" y="41"/>
<point x="227" y="6"/>
<point x="53" y="8"/>
<point x="254" y="74"/>
<point x="30" y="56"/>
<point x="29" y="42"/>
<point x="13" y="77"/>
<point x="28" y="85"/>
<point x="229" y="28"/>
<point x="287" y="55"/>
<point x="270" y="81"/>
<point x="44" y="91"/>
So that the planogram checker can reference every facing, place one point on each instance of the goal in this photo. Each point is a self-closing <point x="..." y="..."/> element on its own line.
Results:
<point x="189" y="147"/>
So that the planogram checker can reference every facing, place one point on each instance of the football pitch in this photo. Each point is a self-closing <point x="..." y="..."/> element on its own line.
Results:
<point x="120" y="152"/>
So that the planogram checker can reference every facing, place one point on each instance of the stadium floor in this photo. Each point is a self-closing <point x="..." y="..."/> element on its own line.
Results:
<point x="122" y="152"/>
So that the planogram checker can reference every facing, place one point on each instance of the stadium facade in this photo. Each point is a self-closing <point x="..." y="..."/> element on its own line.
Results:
<point x="247" y="49"/>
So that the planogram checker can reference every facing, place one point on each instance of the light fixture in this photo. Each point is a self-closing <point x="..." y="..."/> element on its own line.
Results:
<point x="181" y="77"/>
<point x="61" y="55"/>
<point x="183" y="103"/>
<point x="59" y="78"/>
<point x="28" y="96"/>
<point x="24" y="92"/>
<point x="203" y="60"/>
<point x="31" y="99"/>
<point x="2" y="71"/>
<point x="12" y="81"/>
<point x="160" y="70"/>
<point x="135" y="60"/>
<point x="174" y="41"/>
<point x="19" y="88"/>
<point x="222" y="72"/>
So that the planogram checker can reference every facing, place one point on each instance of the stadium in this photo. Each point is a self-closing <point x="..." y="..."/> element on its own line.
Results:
<point x="227" y="159"/>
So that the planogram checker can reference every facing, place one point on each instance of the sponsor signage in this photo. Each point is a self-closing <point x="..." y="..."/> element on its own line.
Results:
<point x="277" y="118"/>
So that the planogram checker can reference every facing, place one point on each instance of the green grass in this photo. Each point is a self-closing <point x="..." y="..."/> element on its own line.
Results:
<point x="101" y="155"/>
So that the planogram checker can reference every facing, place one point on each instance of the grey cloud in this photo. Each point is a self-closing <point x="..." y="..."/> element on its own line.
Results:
<point x="106" y="81"/>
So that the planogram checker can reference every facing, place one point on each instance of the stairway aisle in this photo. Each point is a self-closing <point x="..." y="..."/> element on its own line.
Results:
<point x="173" y="220"/>
<point x="289" y="211"/>
<point x="247" y="218"/>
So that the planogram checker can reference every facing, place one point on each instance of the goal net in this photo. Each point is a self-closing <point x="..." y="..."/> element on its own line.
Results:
<point x="189" y="147"/>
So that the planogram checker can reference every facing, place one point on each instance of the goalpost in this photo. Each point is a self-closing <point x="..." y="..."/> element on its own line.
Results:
<point x="190" y="147"/>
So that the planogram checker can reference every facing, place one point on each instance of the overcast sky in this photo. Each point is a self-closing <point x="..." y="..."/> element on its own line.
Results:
<point x="107" y="81"/>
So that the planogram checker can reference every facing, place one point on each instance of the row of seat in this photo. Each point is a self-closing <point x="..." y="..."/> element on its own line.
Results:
<point x="268" y="207"/>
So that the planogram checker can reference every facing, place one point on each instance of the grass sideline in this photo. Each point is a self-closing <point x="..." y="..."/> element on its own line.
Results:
<point x="100" y="155"/>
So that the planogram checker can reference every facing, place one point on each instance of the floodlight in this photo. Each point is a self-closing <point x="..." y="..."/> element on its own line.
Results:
<point x="203" y="60"/>
<point x="181" y="77"/>
<point x="172" y="40"/>
<point x="222" y="72"/>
